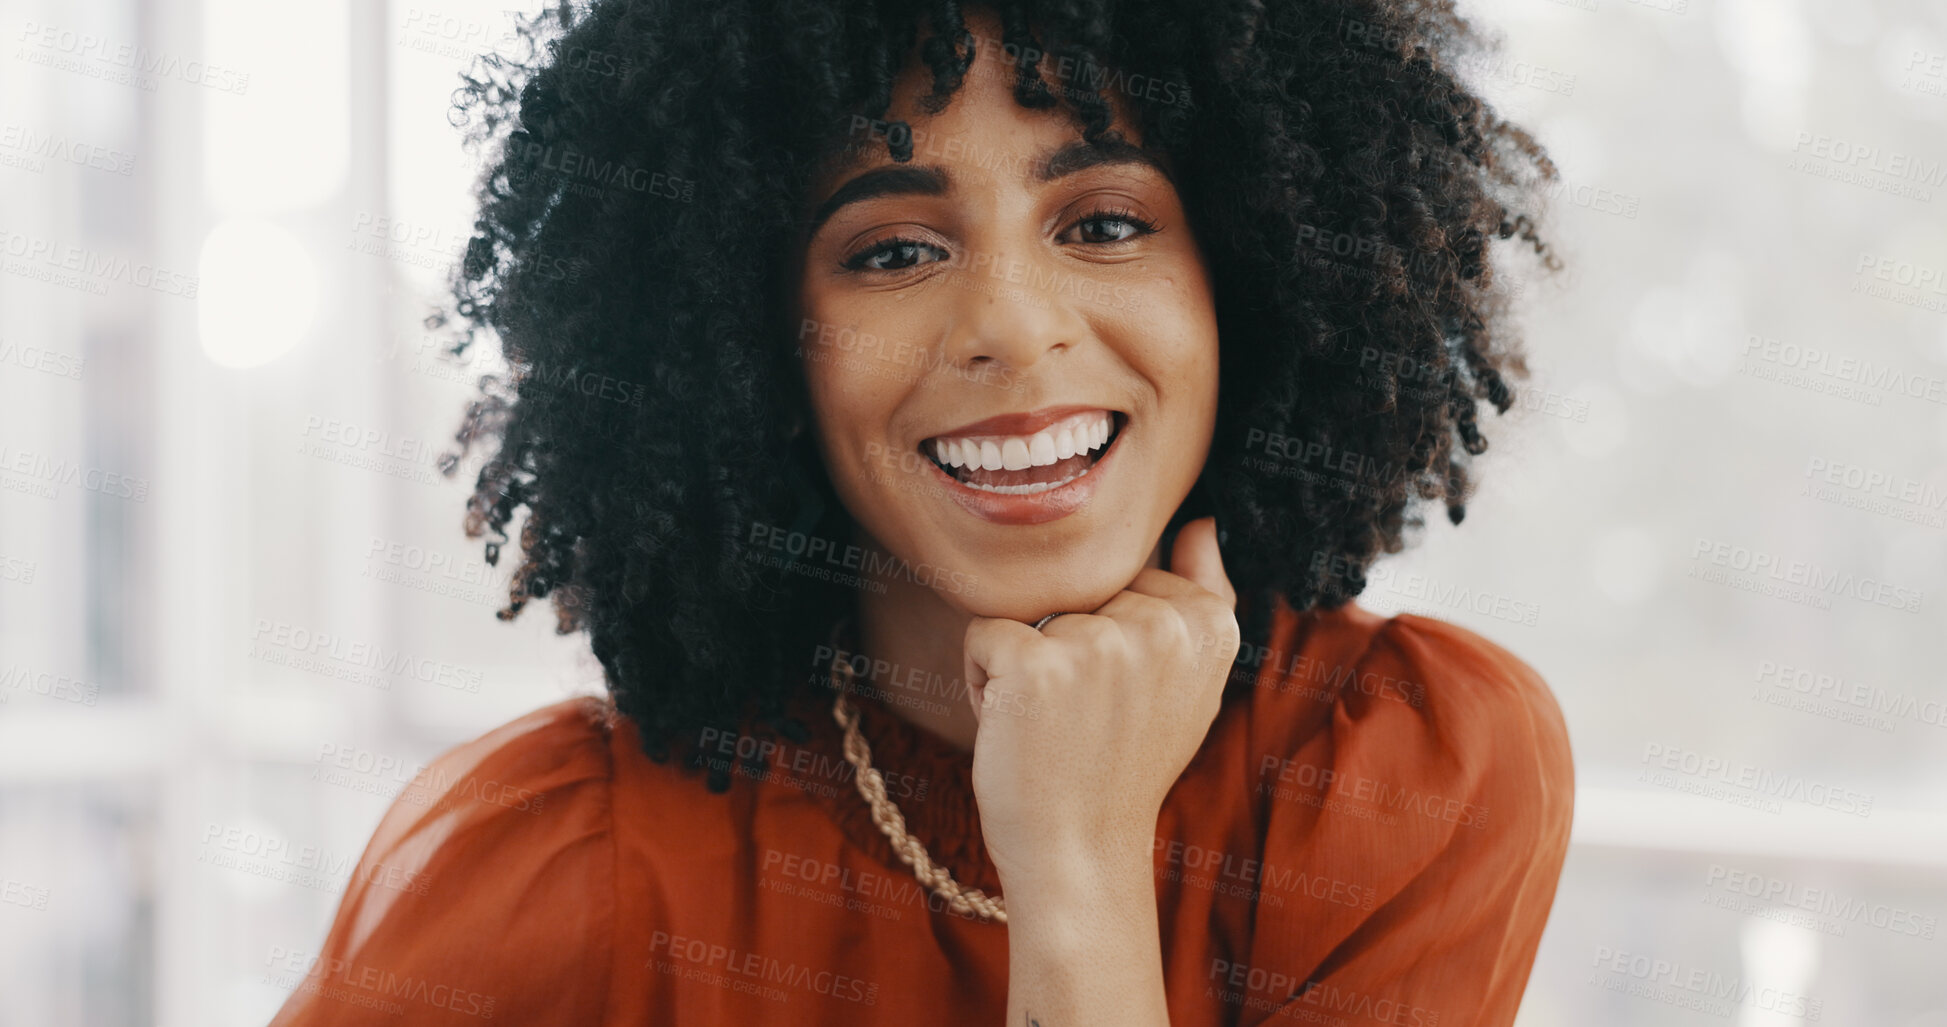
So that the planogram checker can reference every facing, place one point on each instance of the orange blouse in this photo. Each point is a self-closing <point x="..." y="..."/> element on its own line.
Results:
<point x="1371" y="834"/>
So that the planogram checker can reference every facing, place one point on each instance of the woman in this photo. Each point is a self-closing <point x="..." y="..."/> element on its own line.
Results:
<point x="1011" y="401"/>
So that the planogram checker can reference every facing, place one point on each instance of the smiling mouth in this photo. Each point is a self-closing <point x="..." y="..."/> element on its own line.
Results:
<point x="1027" y="464"/>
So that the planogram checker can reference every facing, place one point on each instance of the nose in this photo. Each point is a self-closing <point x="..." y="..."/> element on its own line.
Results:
<point x="1010" y="311"/>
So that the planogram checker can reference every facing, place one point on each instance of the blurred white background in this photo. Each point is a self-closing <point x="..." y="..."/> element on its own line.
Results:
<point x="237" y="612"/>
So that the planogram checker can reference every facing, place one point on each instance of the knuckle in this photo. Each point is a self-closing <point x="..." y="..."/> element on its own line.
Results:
<point x="1103" y="639"/>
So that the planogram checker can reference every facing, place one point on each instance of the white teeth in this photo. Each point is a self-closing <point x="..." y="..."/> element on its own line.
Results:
<point x="1082" y="433"/>
<point x="1022" y="490"/>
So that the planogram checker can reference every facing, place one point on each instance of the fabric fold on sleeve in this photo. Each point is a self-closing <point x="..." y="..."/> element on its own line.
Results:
<point x="508" y="836"/>
<point x="1427" y="822"/>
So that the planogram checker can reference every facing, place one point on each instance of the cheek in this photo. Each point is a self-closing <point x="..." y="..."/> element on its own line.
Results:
<point x="1178" y="325"/>
<point x="853" y="394"/>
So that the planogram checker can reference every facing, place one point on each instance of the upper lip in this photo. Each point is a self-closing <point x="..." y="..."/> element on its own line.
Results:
<point x="1018" y="424"/>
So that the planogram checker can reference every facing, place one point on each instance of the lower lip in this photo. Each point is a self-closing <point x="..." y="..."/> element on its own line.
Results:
<point x="1032" y="508"/>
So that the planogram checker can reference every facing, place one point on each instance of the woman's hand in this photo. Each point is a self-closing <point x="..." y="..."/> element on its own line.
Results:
<point x="1084" y="726"/>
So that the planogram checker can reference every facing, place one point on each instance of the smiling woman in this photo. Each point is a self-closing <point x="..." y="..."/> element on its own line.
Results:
<point x="979" y="317"/>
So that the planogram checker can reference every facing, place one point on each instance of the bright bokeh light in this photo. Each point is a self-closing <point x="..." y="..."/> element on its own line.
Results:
<point x="259" y="293"/>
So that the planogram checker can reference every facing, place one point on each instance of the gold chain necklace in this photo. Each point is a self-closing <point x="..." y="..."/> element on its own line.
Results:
<point x="886" y="814"/>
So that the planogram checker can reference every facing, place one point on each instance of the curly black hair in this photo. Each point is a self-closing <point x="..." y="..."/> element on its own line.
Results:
<point x="645" y="163"/>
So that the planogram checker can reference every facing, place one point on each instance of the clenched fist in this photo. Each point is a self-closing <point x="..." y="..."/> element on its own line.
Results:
<point x="1122" y="698"/>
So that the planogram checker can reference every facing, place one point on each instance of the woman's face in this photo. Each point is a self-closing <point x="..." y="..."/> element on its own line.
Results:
<point x="982" y="306"/>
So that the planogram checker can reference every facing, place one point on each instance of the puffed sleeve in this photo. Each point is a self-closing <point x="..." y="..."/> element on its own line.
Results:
<point x="1424" y="827"/>
<point x="484" y="895"/>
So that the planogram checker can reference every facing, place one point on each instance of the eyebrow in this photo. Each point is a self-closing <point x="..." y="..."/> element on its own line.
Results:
<point x="934" y="180"/>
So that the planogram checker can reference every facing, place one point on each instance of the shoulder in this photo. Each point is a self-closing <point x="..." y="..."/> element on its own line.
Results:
<point x="537" y="782"/>
<point x="1411" y="698"/>
<point x="1499" y="721"/>
<point x="484" y="887"/>
<point x="550" y="753"/>
<point x="1417" y="778"/>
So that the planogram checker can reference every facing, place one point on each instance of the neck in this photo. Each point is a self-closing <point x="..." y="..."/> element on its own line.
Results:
<point x="912" y="635"/>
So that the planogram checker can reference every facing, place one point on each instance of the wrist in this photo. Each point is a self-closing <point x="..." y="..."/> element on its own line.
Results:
<point x="1083" y="942"/>
<point x="1066" y="854"/>
<point x="1073" y="884"/>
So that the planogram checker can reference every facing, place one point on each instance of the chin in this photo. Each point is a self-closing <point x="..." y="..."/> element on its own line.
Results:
<point x="1040" y="588"/>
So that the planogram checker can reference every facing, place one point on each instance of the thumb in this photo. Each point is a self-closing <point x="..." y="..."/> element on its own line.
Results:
<point x="973" y="671"/>
<point x="1197" y="557"/>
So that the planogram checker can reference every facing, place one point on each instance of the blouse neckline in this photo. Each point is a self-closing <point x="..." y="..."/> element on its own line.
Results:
<point x="927" y="778"/>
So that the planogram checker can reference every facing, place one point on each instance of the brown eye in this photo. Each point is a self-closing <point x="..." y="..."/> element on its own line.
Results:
<point x="893" y="255"/>
<point x="1113" y="226"/>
